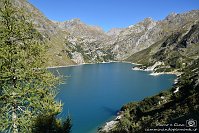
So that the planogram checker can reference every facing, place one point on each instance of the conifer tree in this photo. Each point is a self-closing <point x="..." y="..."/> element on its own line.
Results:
<point x="27" y="89"/>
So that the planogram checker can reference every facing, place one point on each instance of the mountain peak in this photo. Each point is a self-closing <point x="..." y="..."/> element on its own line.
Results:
<point x="149" y="19"/>
<point x="171" y="16"/>
<point x="114" y="31"/>
<point x="75" y="20"/>
<point x="147" y="23"/>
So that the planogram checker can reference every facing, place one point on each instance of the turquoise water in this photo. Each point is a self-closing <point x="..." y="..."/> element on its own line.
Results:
<point x="93" y="94"/>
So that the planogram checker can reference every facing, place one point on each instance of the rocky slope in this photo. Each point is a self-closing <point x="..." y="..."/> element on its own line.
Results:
<point x="74" y="42"/>
<point x="142" y="35"/>
<point x="52" y="34"/>
<point x="79" y="29"/>
<point x="85" y="43"/>
<point x="175" y="51"/>
<point x="92" y="44"/>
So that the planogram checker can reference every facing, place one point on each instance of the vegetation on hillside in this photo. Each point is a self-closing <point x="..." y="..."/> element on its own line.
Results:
<point x="27" y="89"/>
<point x="177" y="105"/>
<point x="165" y="108"/>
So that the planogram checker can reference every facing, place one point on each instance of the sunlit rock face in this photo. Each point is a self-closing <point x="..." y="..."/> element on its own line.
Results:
<point x="92" y="44"/>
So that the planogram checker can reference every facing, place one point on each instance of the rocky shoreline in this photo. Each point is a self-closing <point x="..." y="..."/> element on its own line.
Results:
<point x="152" y="69"/>
<point x="111" y="124"/>
<point x="160" y="73"/>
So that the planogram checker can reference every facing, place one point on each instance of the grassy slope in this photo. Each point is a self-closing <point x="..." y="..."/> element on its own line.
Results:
<point x="56" y="54"/>
<point x="51" y="34"/>
<point x="141" y="58"/>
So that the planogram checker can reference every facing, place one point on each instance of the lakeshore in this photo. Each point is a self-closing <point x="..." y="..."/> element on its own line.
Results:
<point x="152" y="69"/>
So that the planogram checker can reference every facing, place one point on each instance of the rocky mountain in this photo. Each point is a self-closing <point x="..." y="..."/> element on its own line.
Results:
<point x="85" y="43"/>
<point x="52" y="34"/>
<point x="134" y="38"/>
<point x="74" y="42"/>
<point x="142" y="35"/>
<point x="79" y="29"/>
<point x="94" y="45"/>
<point x="175" y="50"/>
<point x="43" y="24"/>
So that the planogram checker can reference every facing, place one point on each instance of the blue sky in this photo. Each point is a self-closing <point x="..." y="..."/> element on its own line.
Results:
<point x="112" y="13"/>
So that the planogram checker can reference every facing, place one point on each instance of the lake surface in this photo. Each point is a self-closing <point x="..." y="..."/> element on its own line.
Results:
<point x="94" y="93"/>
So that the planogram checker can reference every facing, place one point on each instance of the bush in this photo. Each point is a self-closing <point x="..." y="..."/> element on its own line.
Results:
<point x="50" y="124"/>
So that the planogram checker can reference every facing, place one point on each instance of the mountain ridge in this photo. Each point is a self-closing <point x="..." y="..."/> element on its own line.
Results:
<point x="74" y="42"/>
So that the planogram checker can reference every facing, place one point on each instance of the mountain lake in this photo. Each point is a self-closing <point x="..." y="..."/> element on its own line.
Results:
<point x="93" y="93"/>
